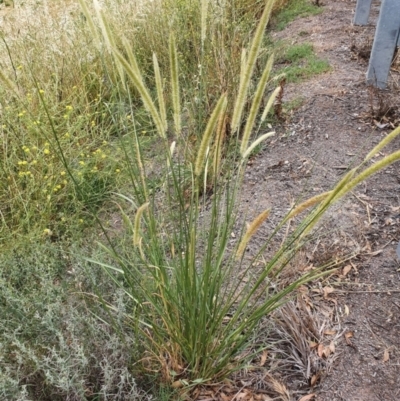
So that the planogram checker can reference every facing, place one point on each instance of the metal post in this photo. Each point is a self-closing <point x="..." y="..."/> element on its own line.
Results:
<point x="363" y="8"/>
<point x="385" y="41"/>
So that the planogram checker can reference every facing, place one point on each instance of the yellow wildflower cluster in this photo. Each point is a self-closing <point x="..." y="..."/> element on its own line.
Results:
<point x="100" y="153"/>
<point x="25" y="174"/>
<point x="46" y="149"/>
<point x="68" y="109"/>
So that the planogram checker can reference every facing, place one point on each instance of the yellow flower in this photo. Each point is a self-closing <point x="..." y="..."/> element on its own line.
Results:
<point x="69" y="108"/>
<point x="41" y="91"/>
<point x="82" y="163"/>
<point x="46" y="151"/>
<point x="47" y="231"/>
<point x="62" y="173"/>
<point x="117" y="170"/>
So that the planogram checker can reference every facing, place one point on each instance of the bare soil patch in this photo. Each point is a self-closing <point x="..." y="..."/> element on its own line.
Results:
<point x="343" y="336"/>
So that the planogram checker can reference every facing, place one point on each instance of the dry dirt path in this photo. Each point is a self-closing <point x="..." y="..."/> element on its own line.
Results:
<point x="331" y="129"/>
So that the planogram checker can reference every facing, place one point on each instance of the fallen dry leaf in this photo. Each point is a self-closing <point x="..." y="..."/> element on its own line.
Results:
<point x="320" y="350"/>
<point x="243" y="395"/>
<point x="263" y="358"/>
<point x="386" y="355"/>
<point x="314" y="380"/>
<point x="347" y="337"/>
<point x="308" y="397"/>
<point x="346" y="269"/>
<point x="224" y="397"/>
<point x="262" y="397"/>
<point x="327" y="291"/>
<point x="177" y="384"/>
<point x="313" y="344"/>
<point x="329" y="332"/>
<point x="326" y="352"/>
<point x="346" y="310"/>
<point x="332" y="347"/>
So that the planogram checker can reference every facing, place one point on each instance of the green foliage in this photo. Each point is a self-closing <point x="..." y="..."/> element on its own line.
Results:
<point x="294" y="9"/>
<point x="301" y="63"/>
<point x="52" y="346"/>
<point x="298" y="52"/>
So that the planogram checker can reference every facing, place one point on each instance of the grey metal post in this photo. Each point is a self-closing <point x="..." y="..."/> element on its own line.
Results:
<point x="385" y="41"/>
<point x="363" y="8"/>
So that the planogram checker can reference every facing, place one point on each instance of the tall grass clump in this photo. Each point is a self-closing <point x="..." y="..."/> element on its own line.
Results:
<point x="160" y="116"/>
<point x="196" y="296"/>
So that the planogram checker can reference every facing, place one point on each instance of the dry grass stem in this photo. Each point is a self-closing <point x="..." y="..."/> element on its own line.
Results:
<point x="247" y="72"/>
<point x="160" y="92"/>
<point x="204" y="13"/>
<point x="219" y="110"/>
<point x="176" y="101"/>
<point x="221" y="130"/>
<point x="144" y="93"/>
<point x="389" y="138"/>
<point x="138" y="218"/>
<point x="308" y="203"/>
<point x="251" y="230"/>
<point x="259" y="140"/>
<point x="255" y="105"/>
<point x="270" y="102"/>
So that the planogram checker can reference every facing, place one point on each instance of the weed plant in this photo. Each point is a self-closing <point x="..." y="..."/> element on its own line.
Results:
<point x="300" y="63"/>
<point x="171" y="115"/>
<point x="294" y="9"/>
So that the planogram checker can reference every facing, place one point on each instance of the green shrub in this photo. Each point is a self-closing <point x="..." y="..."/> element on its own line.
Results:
<point x="52" y="346"/>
